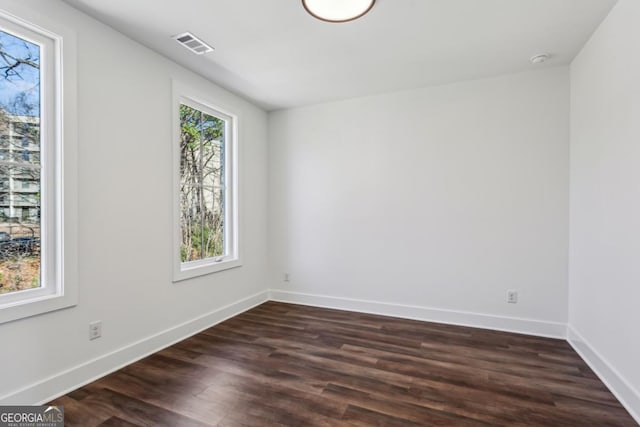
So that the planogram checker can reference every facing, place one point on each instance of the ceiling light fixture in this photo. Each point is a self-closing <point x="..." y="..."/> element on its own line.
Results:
<point x="539" y="59"/>
<point x="338" y="10"/>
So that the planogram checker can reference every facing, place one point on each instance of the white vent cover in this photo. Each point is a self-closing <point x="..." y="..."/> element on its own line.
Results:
<point x="193" y="43"/>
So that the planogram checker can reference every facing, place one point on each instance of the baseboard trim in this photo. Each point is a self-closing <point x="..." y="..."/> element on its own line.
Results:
<point x="429" y="314"/>
<point x="628" y="396"/>
<point x="78" y="376"/>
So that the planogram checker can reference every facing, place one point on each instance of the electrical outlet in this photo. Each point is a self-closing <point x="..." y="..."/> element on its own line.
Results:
<point x="286" y="277"/>
<point x="95" y="329"/>
<point x="512" y="296"/>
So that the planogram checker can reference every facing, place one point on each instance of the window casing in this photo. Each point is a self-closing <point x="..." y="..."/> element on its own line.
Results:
<point x="34" y="186"/>
<point x="205" y="186"/>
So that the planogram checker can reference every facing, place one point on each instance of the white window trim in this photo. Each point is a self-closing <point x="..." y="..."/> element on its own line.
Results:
<point x="59" y="169"/>
<point x="185" y="94"/>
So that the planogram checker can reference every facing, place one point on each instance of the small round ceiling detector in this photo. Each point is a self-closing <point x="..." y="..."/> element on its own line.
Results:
<point x="539" y="59"/>
<point x="337" y="10"/>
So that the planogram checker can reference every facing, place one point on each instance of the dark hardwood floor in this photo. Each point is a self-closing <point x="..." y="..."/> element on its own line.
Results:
<point x="290" y="365"/>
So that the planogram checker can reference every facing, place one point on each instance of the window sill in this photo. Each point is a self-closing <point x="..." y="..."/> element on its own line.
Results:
<point x="190" y="270"/>
<point x="38" y="304"/>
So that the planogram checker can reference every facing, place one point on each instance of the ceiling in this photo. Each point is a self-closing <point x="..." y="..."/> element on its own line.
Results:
<point x="274" y="53"/>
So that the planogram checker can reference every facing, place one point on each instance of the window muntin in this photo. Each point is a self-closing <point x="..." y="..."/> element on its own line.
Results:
<point x="205" y="201"/>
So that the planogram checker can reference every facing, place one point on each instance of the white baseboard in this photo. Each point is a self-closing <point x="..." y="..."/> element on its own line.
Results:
<point x="628" y="396"/>
<point x="462" y="318"/>
<point x="71" y="379"/>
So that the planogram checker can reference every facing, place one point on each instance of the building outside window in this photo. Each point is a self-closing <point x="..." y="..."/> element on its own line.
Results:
<point x="20" y="111"/>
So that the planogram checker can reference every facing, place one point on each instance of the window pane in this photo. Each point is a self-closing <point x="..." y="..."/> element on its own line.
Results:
<point x="19" y="164"/>
<point x="201" y="184"/>
<point x="213" y="191"/>
<point x="214" y="223"/>
<point x="190" y="184"/>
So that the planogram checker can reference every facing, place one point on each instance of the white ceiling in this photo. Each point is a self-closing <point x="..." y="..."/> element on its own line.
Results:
<point x="274" y="53"/>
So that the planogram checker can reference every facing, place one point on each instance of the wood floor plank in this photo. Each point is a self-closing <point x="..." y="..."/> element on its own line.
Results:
<point x="135" y="411"/>
<point x="117" y="422"/>
<point x="401" y="408"/>
<point x="356" y="416"/>
<point x="78" y="413"/>
<point x="189" y="404"/>
<point x="292" y="365"/>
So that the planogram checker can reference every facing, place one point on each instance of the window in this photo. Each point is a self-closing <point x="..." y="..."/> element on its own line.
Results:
<point x="205" y="188"/>
<point x="33" y="251"/>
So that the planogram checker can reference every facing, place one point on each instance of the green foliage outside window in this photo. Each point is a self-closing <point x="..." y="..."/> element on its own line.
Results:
<point x="201" y="184"/>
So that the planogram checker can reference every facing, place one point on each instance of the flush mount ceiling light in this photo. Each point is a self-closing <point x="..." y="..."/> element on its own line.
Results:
<point x="539" y="59"/>
<point x="338" y="10"/>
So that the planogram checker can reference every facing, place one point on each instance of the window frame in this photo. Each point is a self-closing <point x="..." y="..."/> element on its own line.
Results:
<point x="187" y="95"/>
<point x="58" y="158"/>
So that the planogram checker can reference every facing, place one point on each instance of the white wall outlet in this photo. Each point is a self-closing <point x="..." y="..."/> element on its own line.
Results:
<point x="512" y="296"/>
<point x="286" y="277"/>
<point x="95" y="329"/>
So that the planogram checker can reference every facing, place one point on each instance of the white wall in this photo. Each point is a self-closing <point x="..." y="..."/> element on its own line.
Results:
<point x="124" y="174"/>
<point x="428" y="203"/>
<point x="604" y="314"/>
<point x="441" y="197"/>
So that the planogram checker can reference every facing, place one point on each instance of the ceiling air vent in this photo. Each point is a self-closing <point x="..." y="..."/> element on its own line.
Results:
<point x="193" y="43"/>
